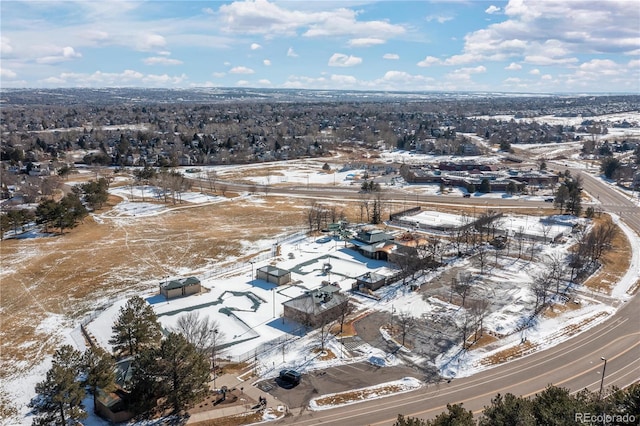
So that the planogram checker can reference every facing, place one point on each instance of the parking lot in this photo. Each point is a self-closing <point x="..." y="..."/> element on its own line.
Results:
<point x="332" y="380"/>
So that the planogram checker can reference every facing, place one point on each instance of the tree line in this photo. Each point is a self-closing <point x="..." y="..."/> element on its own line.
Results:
<point x="555" y="406"/>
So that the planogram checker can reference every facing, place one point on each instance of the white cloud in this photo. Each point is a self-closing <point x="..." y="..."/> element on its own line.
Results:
<point x="538" y="30"/>
<point x="264" y="17"/>
<point x="428" y="61"/>
<point x="64" y="54"/>
<point x="161" y="60"/>
<point x="513" y="67"/>
<point x="534" y="71"/>
<point x="291" y="53"/>
<point x="342" y="60"/>
<point x="492" y="9"/>
<point x="218" y="74"/>
<point x="241" y="70"/>
<point x="6" y="73"/>
<point x="104" y="79"/>
<point x="344" y="80"/>
<point x="391" y="56"/>
<point x="634" y="64"/>
<point x="5" y="46"/>
<point x="547" y="77"/>
<point x="242" y="83"/>
<point x="255" y="46"/>
<point x="146" y="42"/>
<point x="365" y="42"/>
<point x="546" y="60"/>
<point x="267" y="62"/>
<point x="441" y="19"/>
<point x="464" y="74"/>
<point x="264" y="82"/>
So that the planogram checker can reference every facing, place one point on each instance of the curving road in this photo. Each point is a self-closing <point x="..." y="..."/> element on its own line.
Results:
<point x="575" y="363"/>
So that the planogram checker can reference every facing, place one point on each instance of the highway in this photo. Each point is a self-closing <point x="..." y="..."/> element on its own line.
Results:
<point x="575" y="363"/>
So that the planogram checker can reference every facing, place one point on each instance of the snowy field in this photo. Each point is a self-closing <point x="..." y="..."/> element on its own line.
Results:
<point x="306" y="257"/>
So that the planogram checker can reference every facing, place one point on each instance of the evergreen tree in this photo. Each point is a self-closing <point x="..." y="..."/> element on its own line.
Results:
<point x="574" y="201"/>
<point x="95" y="192"/>
<point x="409" y="421"/>
<point x="145" y="388"/>
<point x="624" y="401"/>
<point x="485" y="186"/>
<point x="59" y="397"/>
<point x="184" y="372"/>
<point x="508" y="410"/>
<point x="561" y="197"/>
<point x="609" y="166"/>
<point x="556" y="406"/>
<point x="100" y="370"/>
<point x="135" y="328"/>
<point x="455" y="415"/>
<point x="175" y="374"/>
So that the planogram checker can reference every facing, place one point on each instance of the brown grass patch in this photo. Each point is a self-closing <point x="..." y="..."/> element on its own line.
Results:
<point x="572" y="329"/>
<point x="358" y="395"/>
<point x="510" y="353"/>
<point x="325" y="354"/>
<point x="484" y="340"/>
<point x="615" y="263"/>
<point x="67" y="275"/>
<point x="241" y="419"/>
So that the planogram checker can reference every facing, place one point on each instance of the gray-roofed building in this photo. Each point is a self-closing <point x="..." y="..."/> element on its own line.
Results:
<point x="273" y="274"/>
<point x="181" y="287"/>
<point x="316" y="307"/>
<point x="114" y="405"/>
<point x="370" y="280"/>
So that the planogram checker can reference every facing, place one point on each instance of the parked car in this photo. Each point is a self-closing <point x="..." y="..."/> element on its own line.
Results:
<point x="548" y="200"/>
<point x="290" y="376"/>
<point x="467" y="195"/>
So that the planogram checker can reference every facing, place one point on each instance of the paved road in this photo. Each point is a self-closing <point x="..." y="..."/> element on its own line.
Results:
<point x="575" y="363"/>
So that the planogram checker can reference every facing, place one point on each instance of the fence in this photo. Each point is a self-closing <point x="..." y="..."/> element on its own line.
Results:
<point x="267" y="347"/>
<point x="264" y="256"/>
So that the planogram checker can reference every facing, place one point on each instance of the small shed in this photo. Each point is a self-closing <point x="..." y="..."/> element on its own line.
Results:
<point x="273" y="274"/>
<point x="181" y="287"/>
<point x="370" y="280"/>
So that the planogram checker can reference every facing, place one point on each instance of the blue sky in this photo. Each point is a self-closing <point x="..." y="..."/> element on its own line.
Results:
<point x="534" y="46"/>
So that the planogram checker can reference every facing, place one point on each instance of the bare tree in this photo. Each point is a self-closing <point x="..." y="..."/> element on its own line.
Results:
<point x="555" y="266"/>
<point x="546" y="230"/>
<point x="211" y="177"/>
<point x="223" y="189"/>
<point x="324" y="332"/>
<point x="462" y="285"/>
<point x="202" y="332"/>
<point x="482" y="255"/>
<point x="405" y="322"/>
<point x="345" y="310"/>
<point x="540" y="287"/>
<point x="479" y="308"/>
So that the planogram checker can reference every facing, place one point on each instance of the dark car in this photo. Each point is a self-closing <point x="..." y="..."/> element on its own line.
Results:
<point x="290" y="376"/>
<point x="467" y="195"/>
<point x="548" y="200"/>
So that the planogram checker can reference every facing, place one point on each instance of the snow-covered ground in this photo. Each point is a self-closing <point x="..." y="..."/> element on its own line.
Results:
<point x="306" y="257"/>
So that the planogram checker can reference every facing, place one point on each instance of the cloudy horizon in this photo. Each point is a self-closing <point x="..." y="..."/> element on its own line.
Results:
<point x="516" y="46"/>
